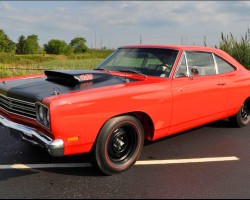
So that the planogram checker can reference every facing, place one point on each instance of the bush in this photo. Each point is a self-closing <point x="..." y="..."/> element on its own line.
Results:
<point x="240" y="50"/>
<point x="56" y="47"/>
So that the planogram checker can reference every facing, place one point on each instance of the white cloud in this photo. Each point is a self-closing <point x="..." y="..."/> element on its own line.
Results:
<point x="122" y="22"/>
<point x="5" y="7"/>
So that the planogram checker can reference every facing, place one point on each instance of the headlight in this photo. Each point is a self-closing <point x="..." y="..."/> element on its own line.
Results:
<point x="42" y="114"/>
<point x="46" y="118"/>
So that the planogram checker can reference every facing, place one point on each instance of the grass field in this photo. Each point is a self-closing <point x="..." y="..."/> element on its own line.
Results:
<point x="7" y="70"/>
<point x="15" y="65"/>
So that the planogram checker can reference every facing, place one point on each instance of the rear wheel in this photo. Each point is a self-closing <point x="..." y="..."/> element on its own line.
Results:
<point x="119" y="144"/>
<point x="242" y="118"/>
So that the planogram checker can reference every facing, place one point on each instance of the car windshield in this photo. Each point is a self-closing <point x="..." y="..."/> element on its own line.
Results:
<point x="147" y="61"/>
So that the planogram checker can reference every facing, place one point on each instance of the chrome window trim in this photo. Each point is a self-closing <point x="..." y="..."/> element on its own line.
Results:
<point x="183" y="56"/>
<point x="216" y="65"/>
<point x="186" y="64"/>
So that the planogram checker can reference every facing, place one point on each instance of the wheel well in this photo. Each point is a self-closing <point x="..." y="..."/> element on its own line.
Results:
<point x="146" y="122"/>
<point x="248" y="101"/>
<point x="144" y="119"/>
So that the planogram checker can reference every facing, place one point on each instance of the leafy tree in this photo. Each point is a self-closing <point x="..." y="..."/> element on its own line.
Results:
<point x="55" y="47"/>
<point x="31" y="45"/>
<point x="20" y="47"/>
<point x="79" y="45"/>
<point x="69" y="50"/>
<point x="6" y="45"/>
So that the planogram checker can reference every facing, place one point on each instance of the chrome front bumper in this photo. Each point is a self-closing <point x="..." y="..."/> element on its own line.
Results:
<point x="28" y="134"/>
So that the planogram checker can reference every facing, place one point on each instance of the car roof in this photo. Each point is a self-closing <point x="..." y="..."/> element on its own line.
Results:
<point x="177" y="47"/>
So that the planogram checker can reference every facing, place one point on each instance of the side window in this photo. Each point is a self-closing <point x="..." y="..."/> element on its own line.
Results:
<point x="223" y="66"/>
<point x="182" y="68"/>
<point x="200" y="63"/>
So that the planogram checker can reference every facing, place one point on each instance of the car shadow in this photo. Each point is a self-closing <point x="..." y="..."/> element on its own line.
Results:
<point x="224" y="123"/>
<point x="36" y="155"/>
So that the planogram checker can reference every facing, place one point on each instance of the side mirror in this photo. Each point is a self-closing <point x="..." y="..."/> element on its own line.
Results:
<point x="194" y="72"/>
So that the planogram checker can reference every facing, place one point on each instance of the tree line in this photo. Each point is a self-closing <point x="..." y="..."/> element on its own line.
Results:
<point x="237" y="48"/>
<point x="30" y="45"/>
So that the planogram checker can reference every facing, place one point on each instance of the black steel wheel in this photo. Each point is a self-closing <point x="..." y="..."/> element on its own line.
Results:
<point x="119" y="144"/>
<point x="242" y="118"/>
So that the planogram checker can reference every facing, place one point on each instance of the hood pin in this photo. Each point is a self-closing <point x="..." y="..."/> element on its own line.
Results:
<point x="56" y="91"/>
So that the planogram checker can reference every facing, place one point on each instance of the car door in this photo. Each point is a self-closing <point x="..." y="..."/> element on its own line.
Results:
<point x="197" y="91"/>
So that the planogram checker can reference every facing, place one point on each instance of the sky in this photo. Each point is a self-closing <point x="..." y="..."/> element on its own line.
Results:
<point x="117" y="23"/>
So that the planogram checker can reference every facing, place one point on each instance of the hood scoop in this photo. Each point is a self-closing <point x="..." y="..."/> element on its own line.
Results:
<point x="76" y="76"/>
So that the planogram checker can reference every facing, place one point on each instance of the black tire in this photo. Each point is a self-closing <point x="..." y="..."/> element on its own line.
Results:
<point x="119" y="144"/>
<point x="242" y="118"/>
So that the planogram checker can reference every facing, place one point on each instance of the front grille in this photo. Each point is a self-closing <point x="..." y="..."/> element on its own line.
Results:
<point x="18" y="107"/>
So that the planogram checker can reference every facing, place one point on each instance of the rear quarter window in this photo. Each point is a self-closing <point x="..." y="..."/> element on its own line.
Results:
<point x="223" y="66"/>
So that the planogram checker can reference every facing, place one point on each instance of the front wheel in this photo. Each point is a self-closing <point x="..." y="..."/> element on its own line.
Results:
<point x="242" y="118"/>
<point x="119" y="144"/>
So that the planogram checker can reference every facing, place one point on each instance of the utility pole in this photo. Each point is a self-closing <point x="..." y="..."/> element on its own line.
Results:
<point x="205" y="41"/>
<point x="95" y="39"/>
<point x="101" y="42"/>
<point x="140" y="39"/>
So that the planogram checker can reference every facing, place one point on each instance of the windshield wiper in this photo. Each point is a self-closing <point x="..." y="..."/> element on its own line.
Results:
<point x="132" y="71"/>
<point x="102" y="69"/>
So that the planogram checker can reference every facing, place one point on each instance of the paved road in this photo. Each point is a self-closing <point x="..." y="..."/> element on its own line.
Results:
<point x="224" y="179"/>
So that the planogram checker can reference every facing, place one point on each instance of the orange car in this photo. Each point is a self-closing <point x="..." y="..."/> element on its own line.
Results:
<point x="139" y="92"/>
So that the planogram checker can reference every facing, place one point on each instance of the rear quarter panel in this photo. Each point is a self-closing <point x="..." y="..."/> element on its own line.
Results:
<point x="237" y="82"/>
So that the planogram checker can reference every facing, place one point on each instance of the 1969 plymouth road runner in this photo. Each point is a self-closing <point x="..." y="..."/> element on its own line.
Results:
<point x="140" y="92"/>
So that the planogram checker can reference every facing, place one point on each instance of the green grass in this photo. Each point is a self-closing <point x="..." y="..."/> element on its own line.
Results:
<point x="69" y="64"/>
<point x="8" y="58"/>
<point x="15" y="65"/>
<point x="9" y="73"/>
<point x="7" y="70"/>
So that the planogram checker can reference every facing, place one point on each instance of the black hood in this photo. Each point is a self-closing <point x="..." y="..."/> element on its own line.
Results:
<point x="57" y="82"/>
